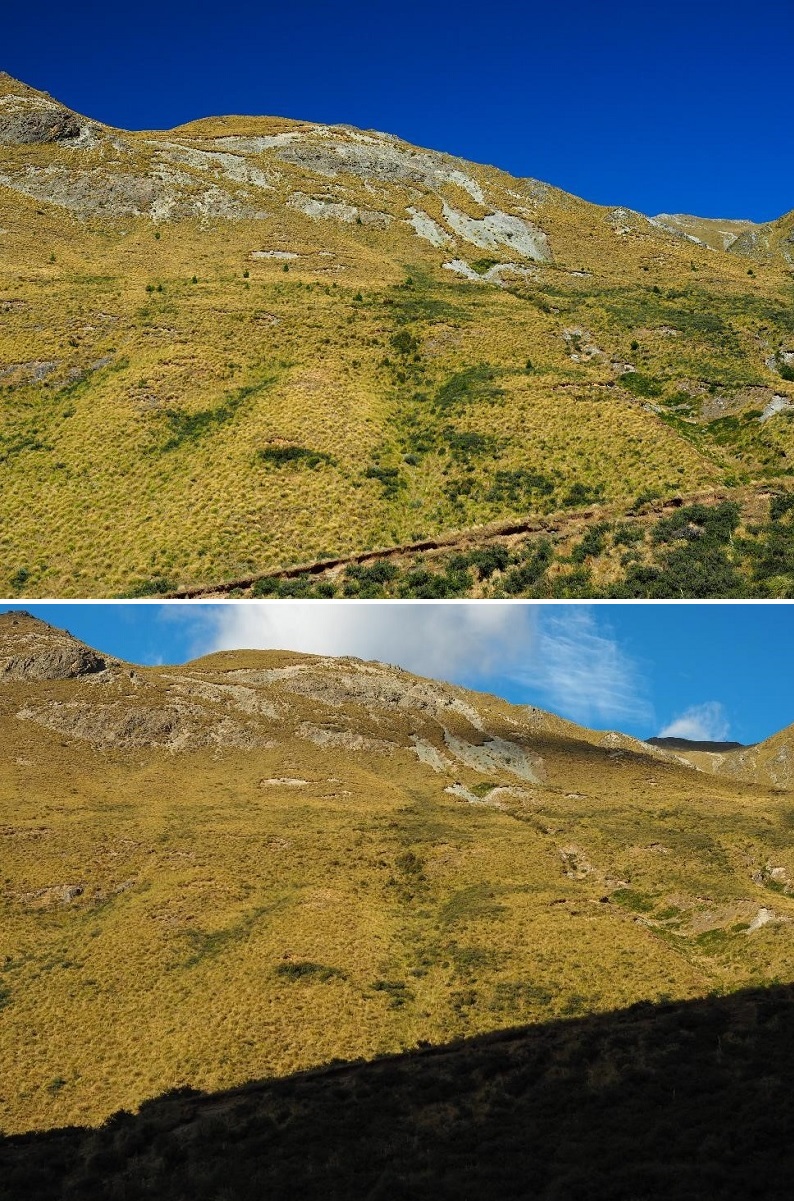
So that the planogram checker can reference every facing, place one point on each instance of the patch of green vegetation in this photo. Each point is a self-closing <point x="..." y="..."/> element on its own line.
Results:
<point x="629" y="898"/>
<point x="484" y="264"/>
<point x="521" y="486"/>
<point x="712" y="941"/>
<point x="397" y="991"/>
<point x="466" y="444"/>
<point x="639" y="384"/>
<point x="628" y="534"/>
<point x="582" y="494"/>
<point x="696" y="571"/>
<point x="405" y="343"/>
<point x="367" y="580"/>
<point x="184" y="428"/>
<point x="421" y="298"/>
<point x="19" y="578"/>
<point x="488" y="559"/>
<point x="475" y="901"/>
<point x="465" y="387"/>
<point x="281" y="456"/>
<point x="16" y="444"/>
<point x="156" y="586"/>
<point x="389" y="477"/>
<point x="713" y="523"/>
<point x="293" y="588"/>
<point x="515" y="996"/>
<point x="306" y="970"/>
<point x="592" y="543"/>
<point x="522" y="578"/>
<point x="423" y="584"/>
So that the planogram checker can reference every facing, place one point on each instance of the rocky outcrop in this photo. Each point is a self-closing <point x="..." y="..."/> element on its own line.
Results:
<point x="26" y="121"/>
<point x="32" y="650"/>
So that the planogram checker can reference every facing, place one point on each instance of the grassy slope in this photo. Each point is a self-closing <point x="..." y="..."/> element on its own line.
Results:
<point x="229" y="929"/>
<point x="135" y="462"/>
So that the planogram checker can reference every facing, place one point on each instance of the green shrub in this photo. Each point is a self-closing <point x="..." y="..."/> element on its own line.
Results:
<point x="592" y="543"/>
<point x="282" y="456"/>
<point x="473" y="384"/>
<point x="306" y="970"/>
<point x="522" y="578"/>
<point x="582" y="494"/>
<point x="488" y="560"/>
<point x="389" y="477"/>
<point x="519" y="486"/>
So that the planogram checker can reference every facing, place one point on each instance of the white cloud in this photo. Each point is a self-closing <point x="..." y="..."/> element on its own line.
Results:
<point x="702" y="723"/>
<point x="449" y="642"/>
<point x="565" y="657"/>
<point x="579" y="666"/>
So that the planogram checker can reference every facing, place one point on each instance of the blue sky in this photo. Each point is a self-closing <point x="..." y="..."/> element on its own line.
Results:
<point x="699" y="670"/>
<point x="683" y="107"/>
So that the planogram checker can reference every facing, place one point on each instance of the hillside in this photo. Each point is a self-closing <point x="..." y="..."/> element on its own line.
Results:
<point x="260" y="863"/>
<point x="665" y="1102"/>
<point x="249" y="344"/>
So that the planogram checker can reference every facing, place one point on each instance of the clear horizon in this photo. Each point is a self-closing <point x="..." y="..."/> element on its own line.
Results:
<point x="703" y="671"/>
<point x="685" y="113"/>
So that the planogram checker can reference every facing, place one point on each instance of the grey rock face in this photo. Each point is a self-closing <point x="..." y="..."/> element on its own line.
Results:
<point x="66" y="661"/>
<point x="26" y="123"/>
<point x="32" y="650"/>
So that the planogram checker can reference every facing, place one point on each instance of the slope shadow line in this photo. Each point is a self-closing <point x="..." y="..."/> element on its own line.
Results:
<point x="683" y="1101"/>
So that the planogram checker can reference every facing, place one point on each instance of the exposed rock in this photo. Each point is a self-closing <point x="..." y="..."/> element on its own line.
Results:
<point x="345" y="739"/>
<point x="427" y="753"/>
<point x="29" y="120"/>
<point x="461" y="267"/>
<point x="575" y="864"/>
<point x="428" y="229"/>
<point x="376" y="157"/>
<point x="32" y="650"/>
<point x="463" y="793"/>
<point x="762" y="918"/>
<point x="324" y="209"/>
<point x="495" y="755"/>
<point x="500" y="229"/>
<point x="272" y="254"/>
<point x="778" y="404"/>
<point x="119" y="726"/>
<point x="247" y="700"/>
<point x="367" y="684"/>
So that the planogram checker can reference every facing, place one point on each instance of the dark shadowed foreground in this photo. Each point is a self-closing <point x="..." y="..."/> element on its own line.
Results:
<point x="683" y="1100"/>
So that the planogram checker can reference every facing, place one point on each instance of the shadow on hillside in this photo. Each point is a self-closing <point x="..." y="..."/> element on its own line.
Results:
<point x="688" y="1100"/>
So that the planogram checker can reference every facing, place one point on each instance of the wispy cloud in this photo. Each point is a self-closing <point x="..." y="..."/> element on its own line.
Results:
<point x="579" y="667"/>
<point x="703" y="723"/>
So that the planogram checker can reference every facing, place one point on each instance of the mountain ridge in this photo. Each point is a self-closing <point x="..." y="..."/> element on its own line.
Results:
<point x="676" y="223"/>
<point x="32" y="651"/>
